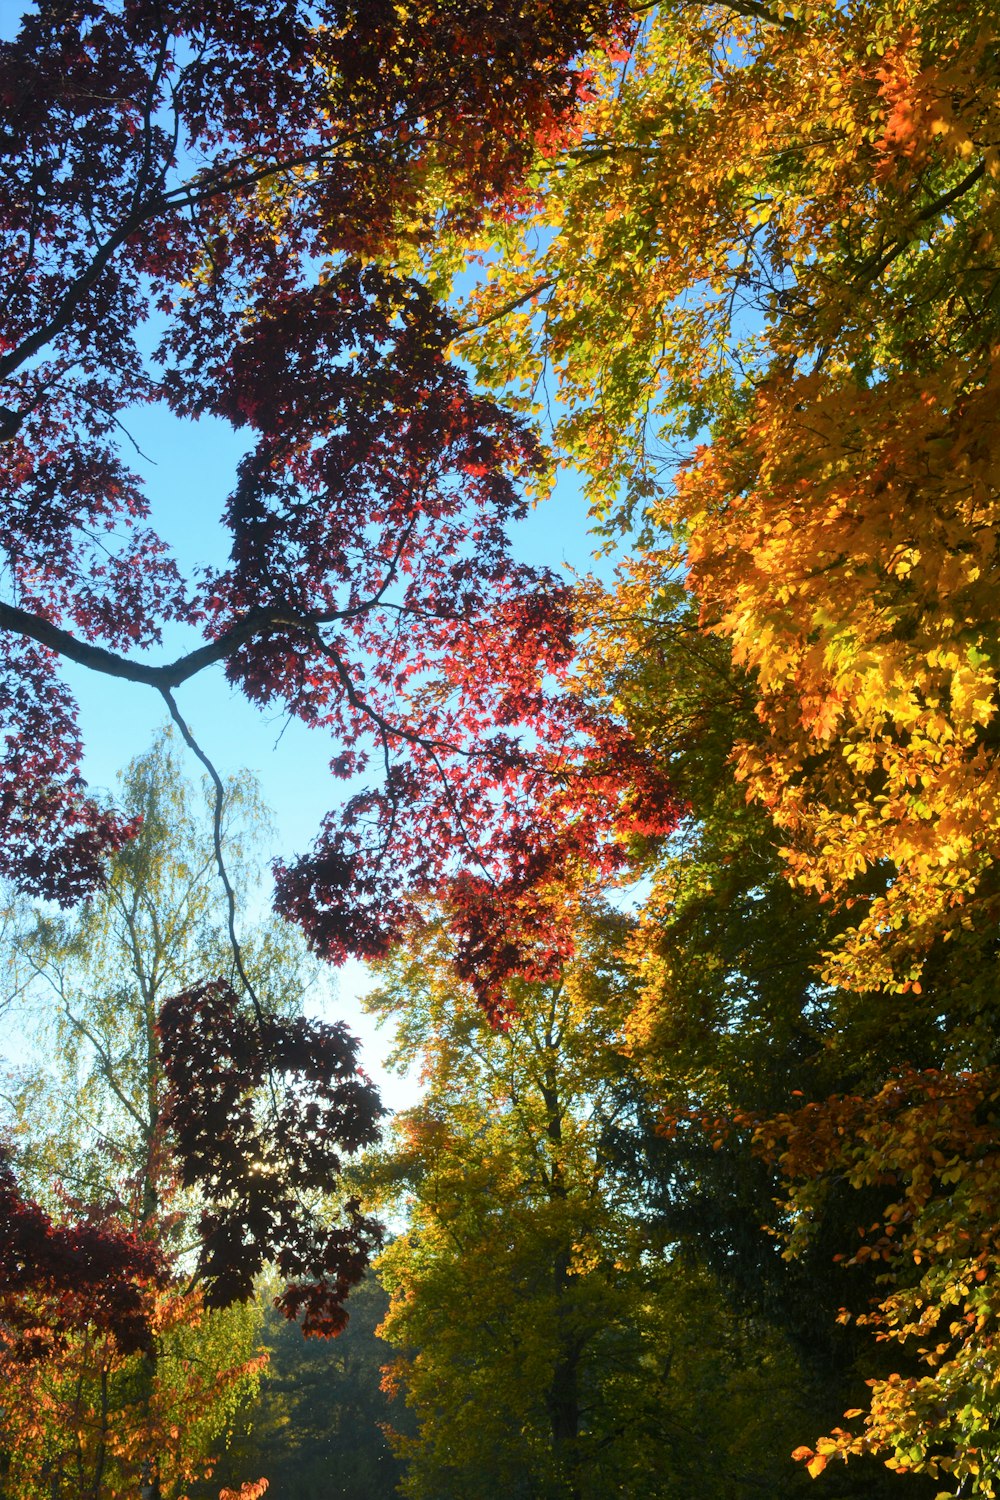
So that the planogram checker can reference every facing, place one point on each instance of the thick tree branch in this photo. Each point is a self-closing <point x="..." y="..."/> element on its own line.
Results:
<point x="60" y="319"/>
<point x="511" y="306"/>
<point x="256" y="622"/>
<point x="939" y="206"/>
<point x="750" y="8"/>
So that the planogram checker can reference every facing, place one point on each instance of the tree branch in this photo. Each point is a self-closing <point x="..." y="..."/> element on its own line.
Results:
<point x="171" y="674"/>
<point x="218" y="809"/>
<point x="759" y="12"/>
<point x="511" y="306"/>
<point x="938" y="206"/>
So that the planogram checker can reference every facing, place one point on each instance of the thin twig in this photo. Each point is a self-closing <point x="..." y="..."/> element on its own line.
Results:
<point x="218" y="809"/>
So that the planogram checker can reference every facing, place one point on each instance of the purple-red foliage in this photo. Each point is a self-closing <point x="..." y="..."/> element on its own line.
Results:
<point x="207" y="161"/>
<point x="53" y="837"/>
<point x="203" y="161"/>
<point x="56" y="1278"/>
<point x="262" y="1110"/>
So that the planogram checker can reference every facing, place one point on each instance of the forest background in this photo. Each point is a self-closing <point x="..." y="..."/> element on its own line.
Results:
<point x="681" y="885"/>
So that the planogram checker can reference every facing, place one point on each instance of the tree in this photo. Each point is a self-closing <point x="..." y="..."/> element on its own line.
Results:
<point x="88" y="1110"/>
<point x="810" y="275"/>
<point x="236" y="171"/>
<point x="928" y="1141"/>
<point x="546" y="1344"/>
<point x="317" y="1428"/>
<point x="115" y="973"/>
<point x="85" y="1419"/>
<point x="764" y="277"/>
<point x="93" y="1415"/>
<point x="729" y="1020"/>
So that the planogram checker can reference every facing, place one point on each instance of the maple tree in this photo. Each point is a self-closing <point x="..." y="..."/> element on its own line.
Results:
<point x="219" y="179"/>
<point x="753" y="247"/>
<point x="234" y="172"/>
<point x="92" y="1276"/>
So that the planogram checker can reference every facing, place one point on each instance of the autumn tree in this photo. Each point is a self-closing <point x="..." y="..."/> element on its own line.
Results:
<point x="86" y="1118"/>
<point x="230" y="173"/>
<point x="86" y="1417"/>
<point x="547" y="1343"/>
<point x="759" y="293"/>
<point x="726" y="1016"/>
<point x="797" y="212"/>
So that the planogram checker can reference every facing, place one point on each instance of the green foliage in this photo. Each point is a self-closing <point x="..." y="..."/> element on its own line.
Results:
<point x="549" y="1345"/>
<point x="85" y="1112"/>
<point x="316" y="1427"/>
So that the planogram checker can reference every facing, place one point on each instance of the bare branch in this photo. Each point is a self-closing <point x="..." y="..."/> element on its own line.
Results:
<point x="218" y="809"/>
